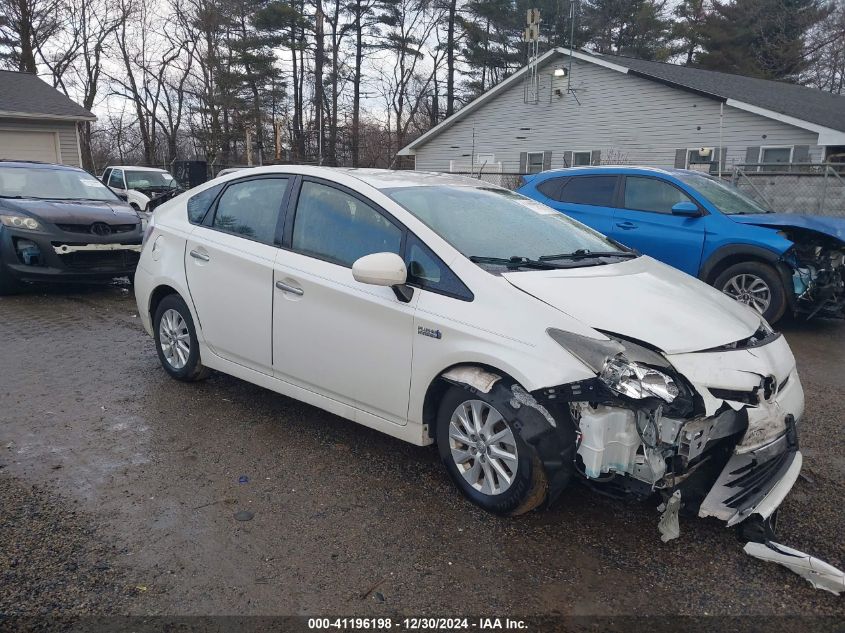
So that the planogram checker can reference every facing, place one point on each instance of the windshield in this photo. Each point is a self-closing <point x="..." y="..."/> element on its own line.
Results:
<point x="725" y="197"/>
<point x="149" y="180"/>
<point x="497" y="223"/>
<point x="52" y="184"/>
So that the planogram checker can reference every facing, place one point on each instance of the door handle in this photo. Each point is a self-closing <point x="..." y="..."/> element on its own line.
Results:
<point x="626" y="226"/>
<point x="203" y="257"/>
<point x="281" y="285"/>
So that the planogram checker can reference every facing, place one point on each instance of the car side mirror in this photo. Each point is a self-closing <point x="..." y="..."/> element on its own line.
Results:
<point x="686" y="208"/>
<point x="384" y="269"/>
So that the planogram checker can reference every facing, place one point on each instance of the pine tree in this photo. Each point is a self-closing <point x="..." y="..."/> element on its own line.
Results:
<point x="637" y="28"/>
<point x="688" y="28"/>
<point x="760" y="38"/>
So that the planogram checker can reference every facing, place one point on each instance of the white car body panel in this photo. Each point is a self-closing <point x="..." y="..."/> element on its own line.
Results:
<point x="647" y="289"/>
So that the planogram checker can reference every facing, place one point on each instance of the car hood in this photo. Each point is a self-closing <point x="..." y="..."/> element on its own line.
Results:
<point x="645" y="300"/>
<point x="73" y="211"/>
<point x="834" y="227"/>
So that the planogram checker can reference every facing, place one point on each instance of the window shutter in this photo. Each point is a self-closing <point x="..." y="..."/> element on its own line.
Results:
<point x="523" y="162"/>
<point x="801" y="154"/>
<point x="547" y="160"/>
<point x="567" y="159"/>
<point x="723" y="153"/>
<point x="595" y="157"/>
<point x="680" y="158"/>
<point x="752" y="154"/>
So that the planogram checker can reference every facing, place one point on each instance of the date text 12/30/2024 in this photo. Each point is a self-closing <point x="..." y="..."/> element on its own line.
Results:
<point x="418" y="624"/>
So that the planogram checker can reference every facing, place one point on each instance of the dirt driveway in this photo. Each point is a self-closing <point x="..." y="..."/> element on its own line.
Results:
<point x="147" y="474"/>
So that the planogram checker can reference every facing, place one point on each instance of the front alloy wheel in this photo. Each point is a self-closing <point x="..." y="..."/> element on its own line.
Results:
<point x="483" y="453"/>
<point x="750" y="290"/>
<point x="757" y="285"/>
<point x="483" y="447"/>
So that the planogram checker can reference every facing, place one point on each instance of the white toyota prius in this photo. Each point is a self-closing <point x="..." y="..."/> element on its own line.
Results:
<point x="532" y="350"/>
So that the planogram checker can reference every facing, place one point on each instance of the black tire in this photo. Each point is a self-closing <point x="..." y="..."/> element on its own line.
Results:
<point x="528" y="487"/>
<point x="193" y="368"/>
<point x="763" y="272"/>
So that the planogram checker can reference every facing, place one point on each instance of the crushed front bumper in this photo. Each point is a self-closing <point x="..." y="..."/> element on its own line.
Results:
<point x="757" y="481"/>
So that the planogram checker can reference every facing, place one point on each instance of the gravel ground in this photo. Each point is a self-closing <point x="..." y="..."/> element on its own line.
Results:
<point x="343" y="520"/>
<point x="54" y="559"/>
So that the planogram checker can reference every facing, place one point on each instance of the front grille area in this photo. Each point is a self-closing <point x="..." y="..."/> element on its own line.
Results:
<point x="87" y="228"/>
<point x="755" y="479"/>
<point x="100" y="260"/>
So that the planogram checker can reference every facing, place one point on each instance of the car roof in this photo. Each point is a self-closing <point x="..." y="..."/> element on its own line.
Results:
<point x="616" y="169"/>
<point x="34" y="164"/>
<point x="392" y="178"/>
<point x="136" y="167"/>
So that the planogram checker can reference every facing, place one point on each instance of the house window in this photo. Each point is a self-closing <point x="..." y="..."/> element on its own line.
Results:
<point x="581" y="158"/>
<point x="535" y="162"/>
<point x="707" y="162"/>
<point x="772" y="157"/>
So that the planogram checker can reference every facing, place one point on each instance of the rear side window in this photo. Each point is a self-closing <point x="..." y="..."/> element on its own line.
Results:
<point x="592" y="190"/>
<point x="551" y="187"/>
<point x="427" y="270"/>
<point x="251" y="208"/>
<point x="333" y="225"/>
<point x="199" y="204"/>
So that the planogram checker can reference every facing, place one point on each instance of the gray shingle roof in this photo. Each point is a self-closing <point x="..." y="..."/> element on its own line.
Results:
<point x="807" y="104"/>
<point x="27" y="94"/>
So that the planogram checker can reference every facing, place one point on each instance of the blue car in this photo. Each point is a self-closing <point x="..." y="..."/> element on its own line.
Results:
<point x="774" y="262"/>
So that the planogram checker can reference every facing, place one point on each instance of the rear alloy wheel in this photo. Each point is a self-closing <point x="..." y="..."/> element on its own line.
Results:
<point x="176" y="340"/>
<point x="484" y="455"/>
<point x="757" y="285"/>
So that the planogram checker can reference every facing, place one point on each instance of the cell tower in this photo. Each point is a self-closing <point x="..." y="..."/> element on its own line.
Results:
<point x="532" y="40"/>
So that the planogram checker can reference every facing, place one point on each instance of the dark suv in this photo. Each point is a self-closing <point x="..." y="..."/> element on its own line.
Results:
<point x="61" y="223"/>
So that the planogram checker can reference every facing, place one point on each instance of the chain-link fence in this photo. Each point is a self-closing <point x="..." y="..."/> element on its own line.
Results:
<point x="809" y="188"/>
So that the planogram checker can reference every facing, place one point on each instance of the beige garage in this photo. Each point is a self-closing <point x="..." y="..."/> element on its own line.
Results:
<point x="37" y="122"/>
<point x="29" y="145"/>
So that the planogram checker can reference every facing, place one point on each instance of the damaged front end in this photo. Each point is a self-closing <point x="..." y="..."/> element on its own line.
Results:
<point x="722" y="432"/>
<point x="817" y="263"/>
<point x="713" y="432"/>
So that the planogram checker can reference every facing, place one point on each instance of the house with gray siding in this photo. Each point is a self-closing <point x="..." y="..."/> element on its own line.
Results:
<point x="37" y="122"/>
<point x="583" y="108"/>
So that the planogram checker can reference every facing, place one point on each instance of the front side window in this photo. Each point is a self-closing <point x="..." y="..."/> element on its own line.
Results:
<point x="251" y="208"/>
<point x="338" y="227"/>
<point x="116" y="179"/>
<point x="725" y="197"/>
<point x="590" y="190"/>
<point x="493" y="222"/>
<point x="650" y="194"/>
<point x="427" y="270"/>
<point x="535" y="162"/>
<point x="52" y="184"/>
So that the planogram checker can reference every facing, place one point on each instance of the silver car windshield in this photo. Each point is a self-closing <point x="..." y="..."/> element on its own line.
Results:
<point x="725" y="197"/>
<point x="497" y="223"/>
<point x="52" y="184"/>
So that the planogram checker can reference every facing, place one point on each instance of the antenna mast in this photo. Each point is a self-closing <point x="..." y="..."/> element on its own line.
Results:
<point x="532" y="38"/>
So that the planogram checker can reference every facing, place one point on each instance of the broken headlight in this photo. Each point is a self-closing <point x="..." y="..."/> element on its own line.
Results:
<point x="607" y="358"/>
<point x="636" y="381"/>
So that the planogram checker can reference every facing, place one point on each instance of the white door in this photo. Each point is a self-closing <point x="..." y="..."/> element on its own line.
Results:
<point x="229" y="267"/>
<point x="331" y="334"/>
<point x="25" y="145"/>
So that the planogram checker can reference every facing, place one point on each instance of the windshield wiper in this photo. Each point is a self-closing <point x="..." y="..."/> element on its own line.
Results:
<point x="514" y="262"/>
<point x="585" y="254"/>
<point x="11" y="197"/>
